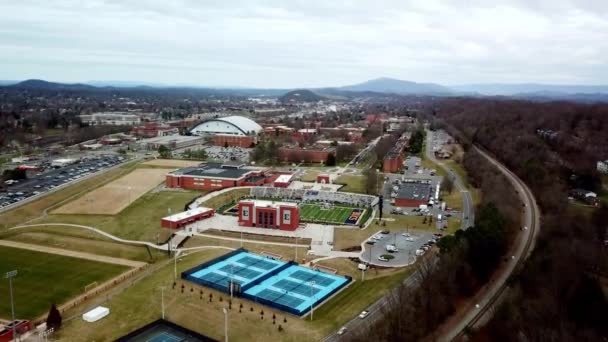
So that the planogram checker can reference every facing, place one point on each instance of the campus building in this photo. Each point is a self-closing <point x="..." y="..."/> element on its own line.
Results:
<point x="179" y="220"/>
<point x="414" y="194"/>
<point x="215" y="176"/>
<point x="154" y="129"/>
<point x="269" y="214"/>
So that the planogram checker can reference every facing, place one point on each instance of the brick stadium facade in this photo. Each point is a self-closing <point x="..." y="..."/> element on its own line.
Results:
<point x="267" y="214"/>
<point x="244" y="141"/>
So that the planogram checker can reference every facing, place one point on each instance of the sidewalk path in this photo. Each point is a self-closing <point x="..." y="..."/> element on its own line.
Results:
<point x="69" y="253"/>
<point x="98" y="231"/>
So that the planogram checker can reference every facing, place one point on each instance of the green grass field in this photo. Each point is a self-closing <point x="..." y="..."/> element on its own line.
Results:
<point x="44" y="278"/>
<point x="315" y="213"/>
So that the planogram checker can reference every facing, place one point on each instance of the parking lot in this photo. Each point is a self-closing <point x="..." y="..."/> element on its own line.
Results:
<point x="53" y="177"/>
<point x="406" y="243"/>
<point x="228" y="153"/>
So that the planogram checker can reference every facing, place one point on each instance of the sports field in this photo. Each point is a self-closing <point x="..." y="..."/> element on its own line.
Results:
<point x="335" y="214"/>
<point x="171" y="163"/>
<point x="44" y="279"/>
<point x="113" y="197"/>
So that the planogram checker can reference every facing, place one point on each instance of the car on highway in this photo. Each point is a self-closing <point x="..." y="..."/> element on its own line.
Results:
<point x="342" y="331"/>
<point x="363" y="314"/>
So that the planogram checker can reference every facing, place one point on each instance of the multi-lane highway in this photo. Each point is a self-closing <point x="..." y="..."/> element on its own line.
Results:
<point x="487" y="297"/>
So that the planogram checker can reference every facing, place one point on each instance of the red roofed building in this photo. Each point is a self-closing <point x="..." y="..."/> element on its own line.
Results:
<point x="154" y="129"/>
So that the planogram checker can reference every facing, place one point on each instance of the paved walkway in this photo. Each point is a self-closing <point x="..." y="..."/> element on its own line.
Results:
<point x="198" y="201"/>
<point x="75" y="254"/>
<point x="98" y="231"/>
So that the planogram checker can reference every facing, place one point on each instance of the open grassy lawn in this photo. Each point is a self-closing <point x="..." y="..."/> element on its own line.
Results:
<point x="354" y="183"/>
<point x="141" y="304"/>
<point x="139" y="221"/>
<point x="310" y="176"/>
<point x="225" y="198"/>
<point x="83" y="241"/>
<point x="47" y="278"/>
<point x="35" y="209"/>
<point x="337" y="214"/>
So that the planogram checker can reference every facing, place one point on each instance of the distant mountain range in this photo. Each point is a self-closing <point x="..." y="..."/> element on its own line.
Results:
<point x="534" y="91"/>
<point x="391" y="85"/>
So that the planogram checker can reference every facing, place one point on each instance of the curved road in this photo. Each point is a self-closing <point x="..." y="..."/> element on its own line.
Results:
<point x="467" y="220"/>
<point x="489" y="295"/>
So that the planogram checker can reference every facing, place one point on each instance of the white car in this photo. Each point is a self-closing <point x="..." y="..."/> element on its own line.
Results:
<point x="363" y="314"/>
<point x="342" y="331"/>
<point x="382" y="258"/>
<point x="406" y="234"/>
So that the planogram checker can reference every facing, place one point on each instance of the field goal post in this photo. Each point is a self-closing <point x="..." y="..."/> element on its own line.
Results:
<point x="90" y="286"/>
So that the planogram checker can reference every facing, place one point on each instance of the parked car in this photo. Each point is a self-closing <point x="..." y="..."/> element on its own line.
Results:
<point x="370" y="242"/>
<point x="385" y="232"/>
<point x="382" y="258"/>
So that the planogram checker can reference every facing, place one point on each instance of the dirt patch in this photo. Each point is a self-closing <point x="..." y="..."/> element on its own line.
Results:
<point x="113" y="197"/>
<point x="171" y="163"/>
<point x="266" y="238"/>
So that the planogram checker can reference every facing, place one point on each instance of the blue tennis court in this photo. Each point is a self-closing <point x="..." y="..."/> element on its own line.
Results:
<point x="282" y="285"/>
<point x="241" y="268"/>
<point x="163" y="331"/>
<point x="298" y="288"/>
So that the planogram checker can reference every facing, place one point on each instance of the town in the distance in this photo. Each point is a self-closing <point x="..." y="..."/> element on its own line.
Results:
<point x="134" y="214"/>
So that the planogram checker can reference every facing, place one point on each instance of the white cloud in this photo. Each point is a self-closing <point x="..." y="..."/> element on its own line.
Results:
<point x="305" y="43"/>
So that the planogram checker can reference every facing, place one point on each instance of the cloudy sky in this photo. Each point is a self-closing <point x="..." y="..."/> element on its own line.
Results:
<point x="305" y="43"/>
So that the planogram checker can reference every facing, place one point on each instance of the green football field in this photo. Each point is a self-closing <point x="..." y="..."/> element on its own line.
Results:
<point x="316" y="213"/>
<point x="43" y="279"/>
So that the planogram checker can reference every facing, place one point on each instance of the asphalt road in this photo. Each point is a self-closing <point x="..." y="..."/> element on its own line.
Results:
<point x="468" y="218"/>
<point x="524" y="244"/>
<point x="468" y="209"/>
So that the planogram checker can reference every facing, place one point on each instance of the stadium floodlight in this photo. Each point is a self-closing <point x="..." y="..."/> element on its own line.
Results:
<point x="10" y="275"/>
<point x="225" y="323"/>
<point x="312" y="284"/>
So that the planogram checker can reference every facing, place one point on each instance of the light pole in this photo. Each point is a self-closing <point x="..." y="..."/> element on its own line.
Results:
<point x="296" y="247"/>
<point x="225" y="323"/>
<point x="231" y="278"/>
<point x="312" y="284"/>
<point x="10" y="275"/>
<point x="174" y="266"/>
<point x="162" y="301"/>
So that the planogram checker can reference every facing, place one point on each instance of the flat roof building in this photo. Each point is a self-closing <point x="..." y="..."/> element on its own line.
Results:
<point x="215" y="176"/>
<point x="179" y="220"/>
<point x="414" y="194"/>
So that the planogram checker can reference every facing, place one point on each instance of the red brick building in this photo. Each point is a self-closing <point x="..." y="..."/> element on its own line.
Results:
<point x="154" y="129"/>
<point x="215" y="176"/>
<point x="244" y="141"/>
<point x="21" y="327"/>
<point x="179" y="220"/>
<point x="296" y="154"/>
<point x="323" y="178"/>
<point x="268" y="214"/>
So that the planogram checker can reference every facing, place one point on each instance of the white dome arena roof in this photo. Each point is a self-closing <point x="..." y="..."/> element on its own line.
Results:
<point x="238" y="125"/>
